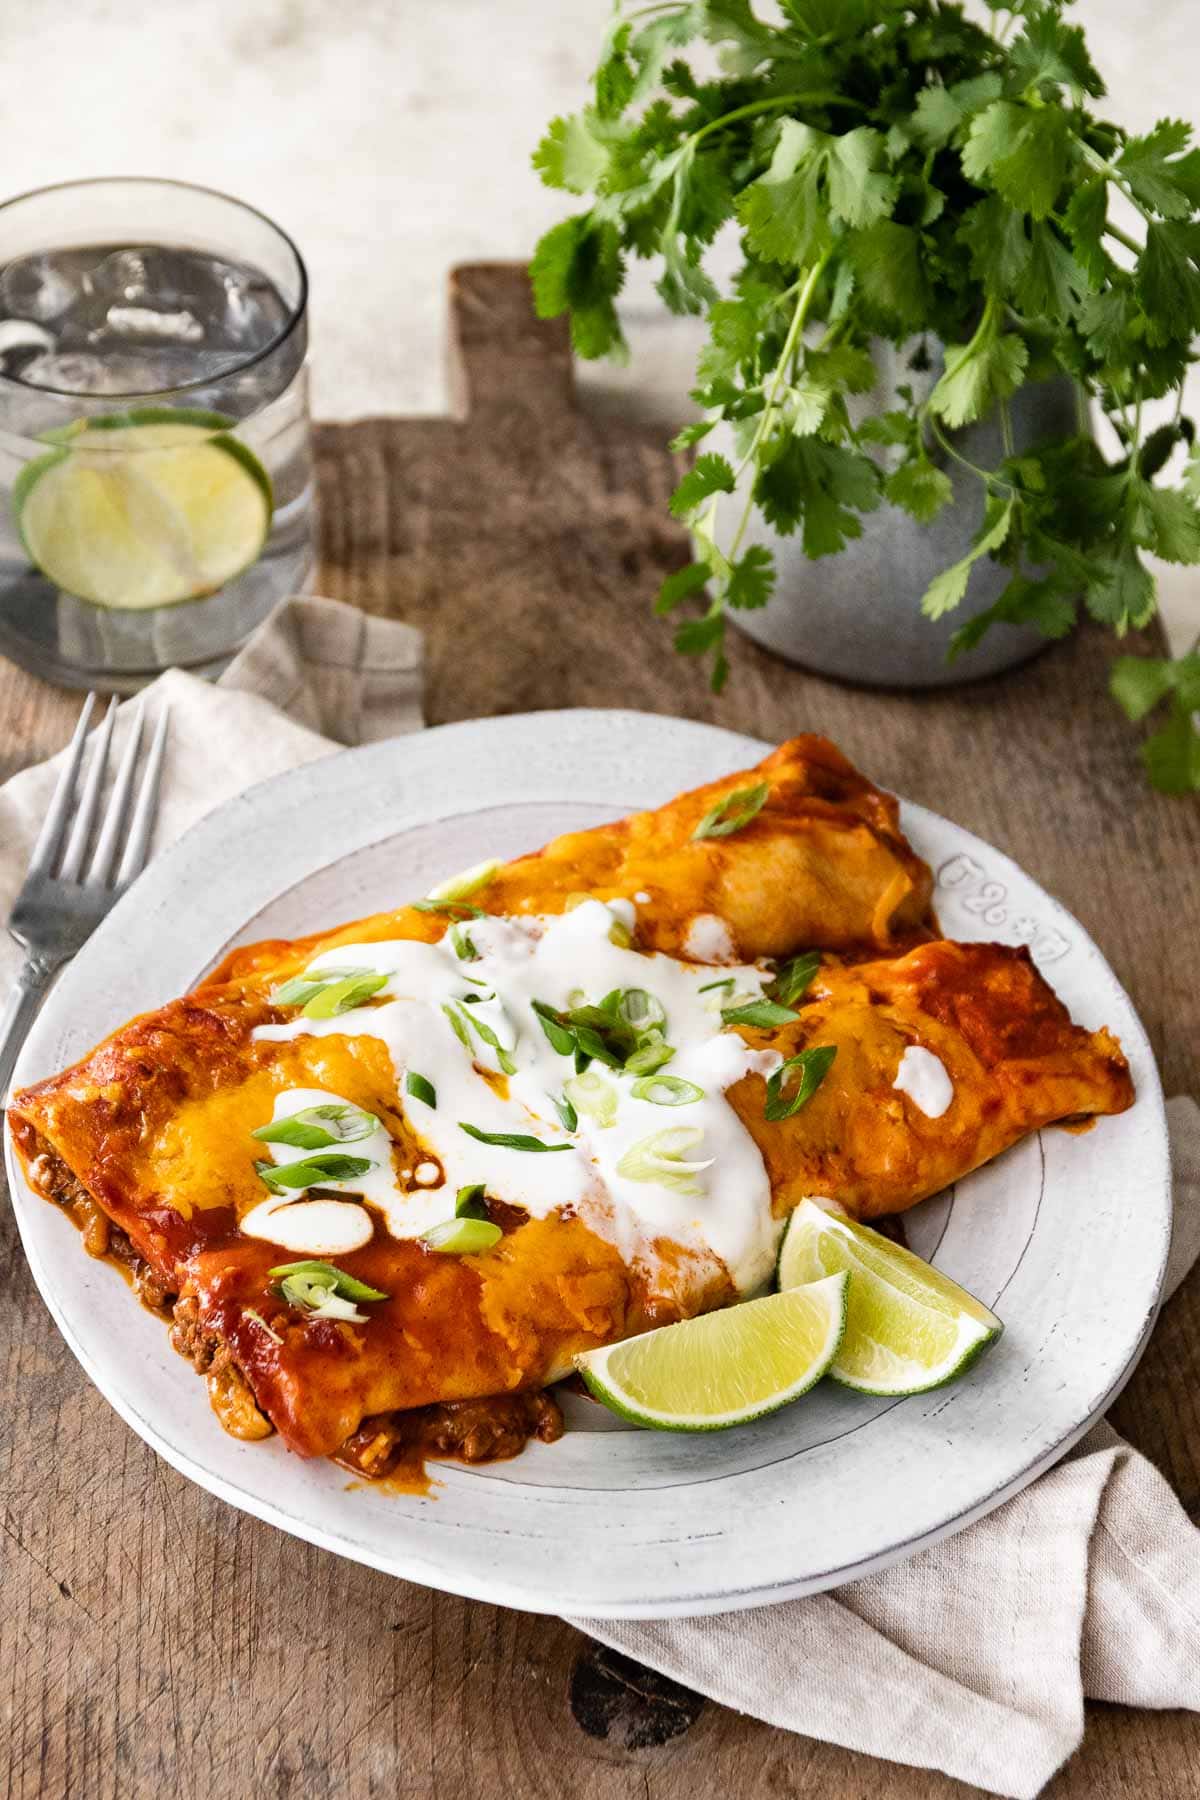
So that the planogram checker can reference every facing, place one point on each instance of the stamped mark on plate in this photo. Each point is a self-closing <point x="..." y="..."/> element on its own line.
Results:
<point x="987" y="899"/>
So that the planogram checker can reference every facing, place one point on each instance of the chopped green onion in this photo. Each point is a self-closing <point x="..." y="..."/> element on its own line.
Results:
<point x="484" y="1031"/>
<point x="462" y="1237"/>
<point x="593" y="1094"/>
<point x="667" y="1090"/>
<point x="710" y="985"/>
<point x="733" y="812"/>
<point x="814" y="1066"/>
<point x="568" y="1117"/>
<point x="470" y="1203"/>
<point x="312" y="1171"/>
<point x="760" y="1013"/>
<point x="323" y="1290"/>
<point x="795" y="978"/>
<point x="661" y="1158"/>
<point x="468" y="882"/>
<point x="509" y="1140"/>
<point x="419" y="1088"/>
<point x="560" y="1037"/>
<point x="341" y="996"/>
<point x="461" y="944"/>
<point x="652" y="1053"/>
<point x="452" y="909"/>
<point x="458" y="1020"/>
<point x="640" y="1009"/>
<point x="620" y="934"/>
<point x="302" y="988"/>
<point x="348" y="1286"/>
<point x="316" y="1127"/>
<point x="249" y="1312"/>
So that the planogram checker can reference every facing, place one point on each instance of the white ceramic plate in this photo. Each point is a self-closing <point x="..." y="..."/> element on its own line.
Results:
<point x="1066" y="1236"/>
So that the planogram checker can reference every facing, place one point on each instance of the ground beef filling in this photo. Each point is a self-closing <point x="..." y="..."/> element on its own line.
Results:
<point x="471" y="1431"/>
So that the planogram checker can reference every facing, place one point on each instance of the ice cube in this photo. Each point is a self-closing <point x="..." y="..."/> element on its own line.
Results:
<point x="35" y="288"/>
<point x="146" y="321"/>
<point x="123" y="276"/>
<point x="75" y="372"/>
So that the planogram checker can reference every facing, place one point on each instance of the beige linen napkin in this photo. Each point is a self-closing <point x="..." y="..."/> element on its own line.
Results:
<point x="973" y="1657"/>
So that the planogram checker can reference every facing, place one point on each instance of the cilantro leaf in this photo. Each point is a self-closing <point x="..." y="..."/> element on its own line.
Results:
<point x="1172" y="755"/>
<point x="920" y="488"/>
<point x="988" y="368"/>
<point x="1168" y="281"/>
<point x="751" y="578"/>
<point x="1166" y="521"/>
<point x="683" y="582"/>
<point x="858" y="192"/>
<point x="1048" y="50"/>
<point x="570" y="157"/>
<point x="995" y="237"/>
<point x="781" y="211"/>
<point x="1138" y="683"/>
<point x="1053" y="281"/>
<point x="1021" y="151"/>
<point x="946" y="590"/>
<point x="821" y="488"/>
<point x="578" y="267"/>
<point x="1040" y="603"/>
<point x="1085" y="219"/>
<point x="1152" y="177"/>
<point x="887" y="262"/>
<point x="1121" y="590"/>
<point x="712" y="474"/>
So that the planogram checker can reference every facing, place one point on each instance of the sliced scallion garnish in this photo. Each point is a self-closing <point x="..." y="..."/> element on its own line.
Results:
<point x="759" y="1013"/>
<point x="316" y="1127"/>
<point x="561" y="1038"/>
<point x="348" y="1286"/>
<point x="471" y="1022"/>
<point x="663" y="1158"/>
<point x="469" y="881"/>
<point x="595" y="1095"/>
<point x="462" y="944"/>
<point x="653" y="1052"/>
<point x="568" y="1117"/>
<point x="341" y="996"/>
<point x="814" y="1066"/>
<point x="462" y="1237"/>
<point x="795" y="978"/>
<point x="509" y="1140"/>
<point x="301" y="988"/>
<point x="450" y="909"/>
<point x="313" y="1171"/>
<point x="709" y="986"/>
<point x="250" y="1312"/>
<point x="733" y="811"/>
<point x="323" y="1290"/>
<point x="471" y="1203"/>
<point x="420" y="1088"/>
<point x="667" y="1090"/>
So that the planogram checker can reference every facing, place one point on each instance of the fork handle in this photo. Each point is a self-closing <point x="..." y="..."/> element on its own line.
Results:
<point x="20" y="1010"/>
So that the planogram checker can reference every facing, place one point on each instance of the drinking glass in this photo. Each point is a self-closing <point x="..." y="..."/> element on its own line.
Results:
<point x="155" y="454"/>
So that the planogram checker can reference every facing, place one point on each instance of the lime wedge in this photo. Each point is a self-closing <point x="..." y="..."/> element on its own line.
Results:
<point x="723" y="1368"/>
<point x="908" y="1326"/>
<point x="145" y="508"/>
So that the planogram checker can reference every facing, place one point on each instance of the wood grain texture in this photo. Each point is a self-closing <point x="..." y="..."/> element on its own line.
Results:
<point x="152" y="1639"/>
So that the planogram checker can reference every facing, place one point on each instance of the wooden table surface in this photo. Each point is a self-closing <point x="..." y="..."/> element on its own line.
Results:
<point x="153" y="1640"/>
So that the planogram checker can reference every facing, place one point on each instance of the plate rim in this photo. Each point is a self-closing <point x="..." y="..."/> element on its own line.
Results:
<point x="406" y="1561"/>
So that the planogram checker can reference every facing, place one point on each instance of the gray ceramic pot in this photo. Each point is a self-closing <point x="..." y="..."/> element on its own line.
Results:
<point x="857" y="615"/>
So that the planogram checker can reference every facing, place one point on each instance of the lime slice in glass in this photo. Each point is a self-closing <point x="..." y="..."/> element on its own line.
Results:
<point x="908" y="1326"/>
<point x="145" y="508"/>
<point x="723" y="1368"/>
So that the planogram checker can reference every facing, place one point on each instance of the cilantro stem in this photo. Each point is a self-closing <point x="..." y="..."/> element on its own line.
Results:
<point x="988" y="476"/>
<point x="1103" y="167"/>
<point x="814" y="97"/>
<point x="767" y="416"/>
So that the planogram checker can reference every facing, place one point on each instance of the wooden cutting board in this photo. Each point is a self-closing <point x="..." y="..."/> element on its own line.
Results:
<point x="152" y="1639"/>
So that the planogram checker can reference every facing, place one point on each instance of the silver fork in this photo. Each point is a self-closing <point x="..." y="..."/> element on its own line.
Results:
<point x="60" y="905"/>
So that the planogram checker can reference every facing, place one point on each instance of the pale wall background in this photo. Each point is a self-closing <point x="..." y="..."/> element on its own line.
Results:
<point x="392" y="139"/>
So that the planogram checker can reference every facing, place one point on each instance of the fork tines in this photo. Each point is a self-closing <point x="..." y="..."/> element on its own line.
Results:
<point x="99" y="870"/>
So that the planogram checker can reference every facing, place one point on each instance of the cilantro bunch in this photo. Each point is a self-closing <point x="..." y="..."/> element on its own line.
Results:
<point x="898" y="172"/>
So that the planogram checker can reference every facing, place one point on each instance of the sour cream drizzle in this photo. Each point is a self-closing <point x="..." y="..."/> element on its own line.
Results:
<point x="922" y="1076"/>
<point x="554" y="960"/>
